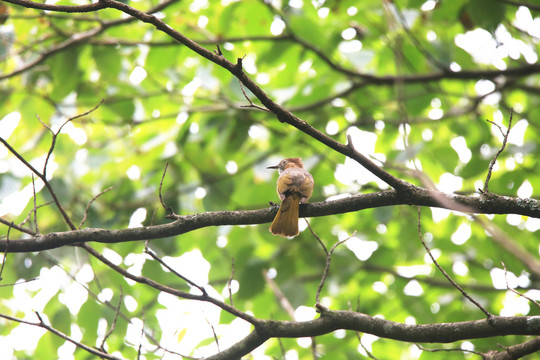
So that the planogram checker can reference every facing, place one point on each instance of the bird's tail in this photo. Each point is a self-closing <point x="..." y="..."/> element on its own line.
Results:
<point x="286" y="221"/>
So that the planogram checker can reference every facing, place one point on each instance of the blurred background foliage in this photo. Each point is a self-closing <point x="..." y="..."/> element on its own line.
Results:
<point x="345" y="67"/>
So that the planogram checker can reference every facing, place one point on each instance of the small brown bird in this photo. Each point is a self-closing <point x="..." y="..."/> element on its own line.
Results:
<point x="294" y="186"/>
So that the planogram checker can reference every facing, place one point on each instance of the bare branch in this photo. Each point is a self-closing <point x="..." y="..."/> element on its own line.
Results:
<point x="357" y="334"/>
<point x="448" y="350"/>
<point x="83" y="220"/>
<point x="49" y="328"/>
<point x="514" y="290"/>
<point x="183" y="224"/>
<point x="44" y="179"/>
<point x="251" y="104"/>
<point x="167" y="289"/>
<point x="214" y="333"/>
<point x="530" y="261"/>
<point x="4" y="259"/>
<point x="166" y="207"/>
<point x="230" y="282"/>
<point x="113" y="325"/>
<point x="501" y="149"/>
<point x="331" y="320"/>
<point x="515" y="351"/>
<point x="36" y="228"/>
<point x="328" y="260"/>
<point x="55" y="134"/>
<point x="17" y="227"/>
<point x="19" y="282"/>
<point x="456" y="285"/>
<point x="165" y="265"/>
<point x="282" y="299"/>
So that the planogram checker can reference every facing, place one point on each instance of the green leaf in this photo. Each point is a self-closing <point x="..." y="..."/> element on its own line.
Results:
<point x="64" y="71"/>
<point x="486" y="19"/>
<point x="108" y="61"/>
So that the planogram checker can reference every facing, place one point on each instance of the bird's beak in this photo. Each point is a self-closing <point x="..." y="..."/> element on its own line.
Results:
<point x="273" y="167"/>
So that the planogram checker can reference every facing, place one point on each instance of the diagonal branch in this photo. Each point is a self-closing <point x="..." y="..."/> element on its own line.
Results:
<point x="501" y="149"/>
<point x="44" y="179"/>
<point x="454" y="284"/>
<point x="43" y="175"/>
<point x="41" y="324"/>
<point x="236" y="70"/>
<point x="510" y="245"/>
<point x="160" y="287"/>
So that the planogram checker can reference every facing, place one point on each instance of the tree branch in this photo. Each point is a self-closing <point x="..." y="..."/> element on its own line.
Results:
<point x="515" y="351"/>
<point x="495" y="204"/>
<point x="333" y="320"/>
<point x="41" y="324"/>
<point x="167" y="289"/>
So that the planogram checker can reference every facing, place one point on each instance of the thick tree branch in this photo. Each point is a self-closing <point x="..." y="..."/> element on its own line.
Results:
<point x="493" y="204"/>
<point x="515" y="351"/>
<point x="349" y="320"/>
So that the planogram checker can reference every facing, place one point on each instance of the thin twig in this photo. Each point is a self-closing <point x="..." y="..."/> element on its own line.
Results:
<point x="43" y="176"/>
<point x="49" y="328"/>
<point x="4" y="260"/>
<point x="512" y="247"/>
<point x="514" y="290"/>
<point x="17" y="227"/>
<point x="113" y="325"/>
<point x="357" y="334"/>
<point x="217" y="51"/>
<point x="283" y="301"/>
<point x="214" y="333"/>
<point x="281" y="347"/>
<point x="314" y="352"/>
<point x="230" y="281"/>
<point x="83" y="220"/>
<point x="164" y="264"/>
<point x="55" y="134"/>
<point x="66" y="217"/>
<point x="20" y="282"/>
<point x="369" y="354"/>
<point x="107" y="303"/>
<point x="167" y="289"/>
<point x="463" y="292"/>
<point x="35" y="207"/>
<point x="448" y="350"/>
<point x="505" y="139"/>
<point x="166" y="207"/>
<point x="29" y="217"/>
<point x="328" y="259"/>
<point x="139" y="349"/>
<point x="251" y="104"/>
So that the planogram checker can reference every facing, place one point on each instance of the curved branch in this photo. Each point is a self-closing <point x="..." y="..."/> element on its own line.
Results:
<point x="494" y="204"/>
<point x="350" y="320"/>
<point x="515" y="351"/>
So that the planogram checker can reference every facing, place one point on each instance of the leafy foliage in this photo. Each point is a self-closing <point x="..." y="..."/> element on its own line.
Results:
<point x="391" y="75"/>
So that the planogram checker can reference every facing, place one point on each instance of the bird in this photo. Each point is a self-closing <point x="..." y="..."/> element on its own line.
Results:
<point x="294" y="186"/>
